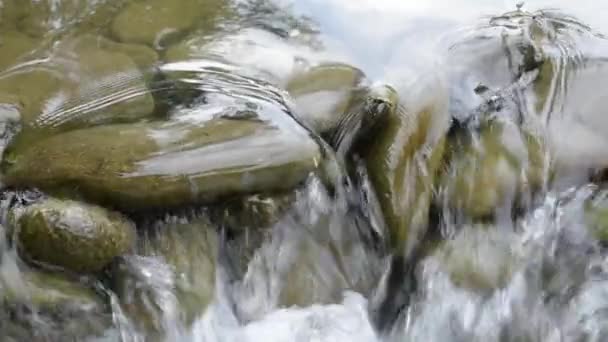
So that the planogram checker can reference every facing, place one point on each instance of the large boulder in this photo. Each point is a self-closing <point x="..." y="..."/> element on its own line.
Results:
<point x="73" y="235"/>
<point x="80" y="83"/>
<point x="157" y="22"/>
<point x="167" y="164"/>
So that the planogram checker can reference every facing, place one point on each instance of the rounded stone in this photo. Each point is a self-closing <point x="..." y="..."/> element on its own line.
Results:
<point x="73" y="235"/>
<point x="155" y="22"/>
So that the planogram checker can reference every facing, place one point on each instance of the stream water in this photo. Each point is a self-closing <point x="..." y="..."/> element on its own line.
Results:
<point x="513" y="241"/>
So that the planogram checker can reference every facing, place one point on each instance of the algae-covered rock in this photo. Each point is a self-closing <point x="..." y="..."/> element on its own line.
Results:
<point x="142" y="55"/>
<point x="596" y="216"/>
<point x="157" y="22"/>
<point x="479" y="258"/>
<point x="402" y="160"/>
<point x="251" y="52"/>
<point x="494" y="170"/>
<point x="78" y="85"/>
<point x="38" y="18"/>
<point x="166" y="164"/>
<point x="36" y="304"/>
<point x="172" y="279"/>
<point x="73" y="235"/>
<point x="14" y="45"/>
<point x="323" y="94"/>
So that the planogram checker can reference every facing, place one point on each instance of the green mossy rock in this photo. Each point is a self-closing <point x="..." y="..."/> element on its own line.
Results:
<point x="35" y="303"/>
<point x="402" y="162"/>
<point x="165" y="164"/>
<point x="479" y="258"/>
<point x="250" y="52"/>
<point x="13" y="46"/>
<point x="597" y="219"/>
<point x="494" y="171"/>
<point x="142" y="55"/>
<point x="72" y="235"/>
<point x="43" y="18"/>
<point x="158" y="22"/>
<point x="322" y="268"/>
<point x="323" y="94"/>
<point x="596" y="216"/>
<point x="172" y="277"/>
<point x="191" y="249"/>
<point x="79" y="85"/>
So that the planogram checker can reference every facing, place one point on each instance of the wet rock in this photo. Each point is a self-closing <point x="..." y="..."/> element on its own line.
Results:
<point x="323" y="94"/>
<point x="14" y="45"/>
<point x="78" y="85"/>
<point x="402" y="161"/>
<point x="172" y="279"/>
<point x="596" y="216"/>
<point x="166" y="164"/>
<point x="157" y="22"/>
<point x="253" y="212"/>
<point x="73" y="235"/>
<point x="479" y="258"/>
<point x="41" y="18"/>
<point x="492" y="171"/>
<point x="49" y="306"/>
<point x="250" y="52"/>
<point x="143" y="56"/>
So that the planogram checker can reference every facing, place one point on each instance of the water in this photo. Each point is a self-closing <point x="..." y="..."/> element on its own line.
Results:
<point x="502" y="244"/>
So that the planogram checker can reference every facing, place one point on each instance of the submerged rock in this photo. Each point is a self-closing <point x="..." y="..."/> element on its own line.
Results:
<point x="157" y="22"/>
<point x="14" y="45"/>
<point x="596" y="216"/>
<point x="253" y="212"/>
<point x="402" y="161"/>
<point x="249" y="52"/>
<point x="479" y="258"/>
<point x="36" y="304"/>
<point x="166" y="164"/>
<point x="172" y="279"/>
<point x="493" y="171"/>
<point x="323" y="94"/>
<point x="79" y="84"/>
<point x="44" y="17"/>
<point x="73" y="235"/>
<point x="143" y="56"/>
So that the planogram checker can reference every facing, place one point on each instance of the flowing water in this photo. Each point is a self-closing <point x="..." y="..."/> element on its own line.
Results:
<point x="510" y="240"/>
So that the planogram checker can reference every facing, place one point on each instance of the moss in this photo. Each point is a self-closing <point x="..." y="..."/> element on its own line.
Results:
<point x="73" y="235"/>
<point x="132" y="166"/>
